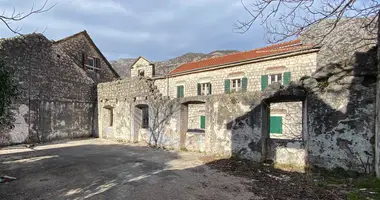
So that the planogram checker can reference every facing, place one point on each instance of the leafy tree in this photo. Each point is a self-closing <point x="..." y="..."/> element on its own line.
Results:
<point x="8" y="91"/>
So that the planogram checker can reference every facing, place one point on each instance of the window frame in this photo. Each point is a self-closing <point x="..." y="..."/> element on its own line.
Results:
<point x="139" y="71"/>
<point x="276" y="77"/>
<point x="205" y="88"/>
<point x="178" y="90"/>
<point x="110" y="114"/>
<point x="145" y="117"/>
<point x="237" y="80"/>
<point x="92" y="67"/>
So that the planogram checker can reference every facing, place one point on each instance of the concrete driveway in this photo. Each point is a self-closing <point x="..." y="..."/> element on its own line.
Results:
<point x="99" y="169"/>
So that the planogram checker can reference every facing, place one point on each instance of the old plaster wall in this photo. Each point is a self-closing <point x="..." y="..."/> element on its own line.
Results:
<point x="122" y="97"/>
<point x="343" y="97"/>
<point x="50" y="86"/>
<point x="233" y="125"/>
<point x="341" y="107"/>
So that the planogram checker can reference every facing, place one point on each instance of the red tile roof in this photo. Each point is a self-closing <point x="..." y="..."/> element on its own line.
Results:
<point x="285" y="47"/>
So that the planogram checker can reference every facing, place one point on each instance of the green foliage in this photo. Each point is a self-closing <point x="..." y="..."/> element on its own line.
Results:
<point x="8" y="91"/>
<point x="365" y="188"/>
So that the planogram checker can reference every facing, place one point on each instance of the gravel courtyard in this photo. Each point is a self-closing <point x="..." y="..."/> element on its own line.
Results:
<point x="100" y="169"/>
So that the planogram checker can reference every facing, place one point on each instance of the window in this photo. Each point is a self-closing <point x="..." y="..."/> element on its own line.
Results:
<point x="235" y="85"/>
<point x="110" y="115"/>
<point x="203" y="122"/>
<point x="204" y="89"/>
<point x="275" y="125"/>
<point x="275" y="78"/>
<point x="141" y="72"/>
<point x="145" y="117"/>
<point x="180" y="91"/>
<point x="93" y="63"/>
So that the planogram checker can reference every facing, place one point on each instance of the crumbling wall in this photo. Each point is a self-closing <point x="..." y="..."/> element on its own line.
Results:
<point x="341" y="114"/>
<point x="122" y="97"/>
<point x="234" y="125"/>
<point x="51" y="86"/>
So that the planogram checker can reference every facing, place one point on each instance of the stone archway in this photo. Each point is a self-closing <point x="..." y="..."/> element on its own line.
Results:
<point x="284" y="124"/>
<point x="192" y="125"/>
<point x="140" y="121"/>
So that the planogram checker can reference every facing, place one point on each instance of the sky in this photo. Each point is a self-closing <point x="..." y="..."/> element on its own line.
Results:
<point x="156" y="29"/>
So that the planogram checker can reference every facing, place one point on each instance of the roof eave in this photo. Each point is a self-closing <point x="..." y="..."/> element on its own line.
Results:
<point x="247" y="61"/>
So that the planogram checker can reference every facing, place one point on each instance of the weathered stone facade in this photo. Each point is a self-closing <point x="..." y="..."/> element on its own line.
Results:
<point x="299" y="65"/>
<point x="332" y="106"/>
<point x="57" y="98"/>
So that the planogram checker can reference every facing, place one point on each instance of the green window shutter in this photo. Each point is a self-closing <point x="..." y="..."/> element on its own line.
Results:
<point x="287" y="78"/>
<point x="227" y="86"/>
<point x="264" y="82"/>
<point x="199" y="89"/>
<point x="203" y="122"/>
<point x="180" y="91"/>
<point x="209" y="88"/>
<point x="276" y="125"/>
<point x="244" y="83"/>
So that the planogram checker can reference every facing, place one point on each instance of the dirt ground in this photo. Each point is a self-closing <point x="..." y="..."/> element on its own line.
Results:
<point x="99" y="169"/>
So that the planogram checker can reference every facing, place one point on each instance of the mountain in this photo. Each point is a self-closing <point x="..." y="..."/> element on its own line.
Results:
<point x="123" y="66"/>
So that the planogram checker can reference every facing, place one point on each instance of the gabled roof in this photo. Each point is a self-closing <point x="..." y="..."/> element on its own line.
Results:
<point x="85" y="34"/>
<point x="268" y="51"/>
<point x="137" y="59"/>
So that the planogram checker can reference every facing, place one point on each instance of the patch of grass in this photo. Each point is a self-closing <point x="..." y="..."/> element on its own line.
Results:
<point x="365" y="188"/>
<point x="289" y="167"/>
<point x="184" y="149"/>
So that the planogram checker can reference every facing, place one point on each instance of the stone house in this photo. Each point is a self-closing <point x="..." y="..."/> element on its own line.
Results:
<point x="275" y="103"/>
<point x="57" y="87"/>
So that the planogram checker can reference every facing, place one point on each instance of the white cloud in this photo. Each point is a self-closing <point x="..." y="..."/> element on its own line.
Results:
<point x="95" y="6"/>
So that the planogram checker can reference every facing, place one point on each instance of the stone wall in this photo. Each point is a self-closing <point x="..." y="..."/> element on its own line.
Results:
<point x="341" y="121"/>
<point x="291" y="113"/>
<point x="80" y="43"/>
<point x="299" y="65"/>
<point x="195" y="112"/>
<point x="57" y="98"/>
<point x="335" y="103"/>
<point x="162" y="85"/>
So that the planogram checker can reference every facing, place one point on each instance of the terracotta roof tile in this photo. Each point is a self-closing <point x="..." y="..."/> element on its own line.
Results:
<point x="284" y="47"/>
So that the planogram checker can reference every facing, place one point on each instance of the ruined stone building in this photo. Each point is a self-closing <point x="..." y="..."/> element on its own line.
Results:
<point x="57" y="87"/>
<point x="302" y="103"/>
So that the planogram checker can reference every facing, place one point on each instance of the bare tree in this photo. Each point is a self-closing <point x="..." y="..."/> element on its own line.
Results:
<point x="160" y="112"/>
<point x="15" y="16"/>
<point x="283" y="19"/>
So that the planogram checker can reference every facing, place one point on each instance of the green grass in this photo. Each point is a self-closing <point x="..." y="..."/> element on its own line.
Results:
<point x="365" y="188"/>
